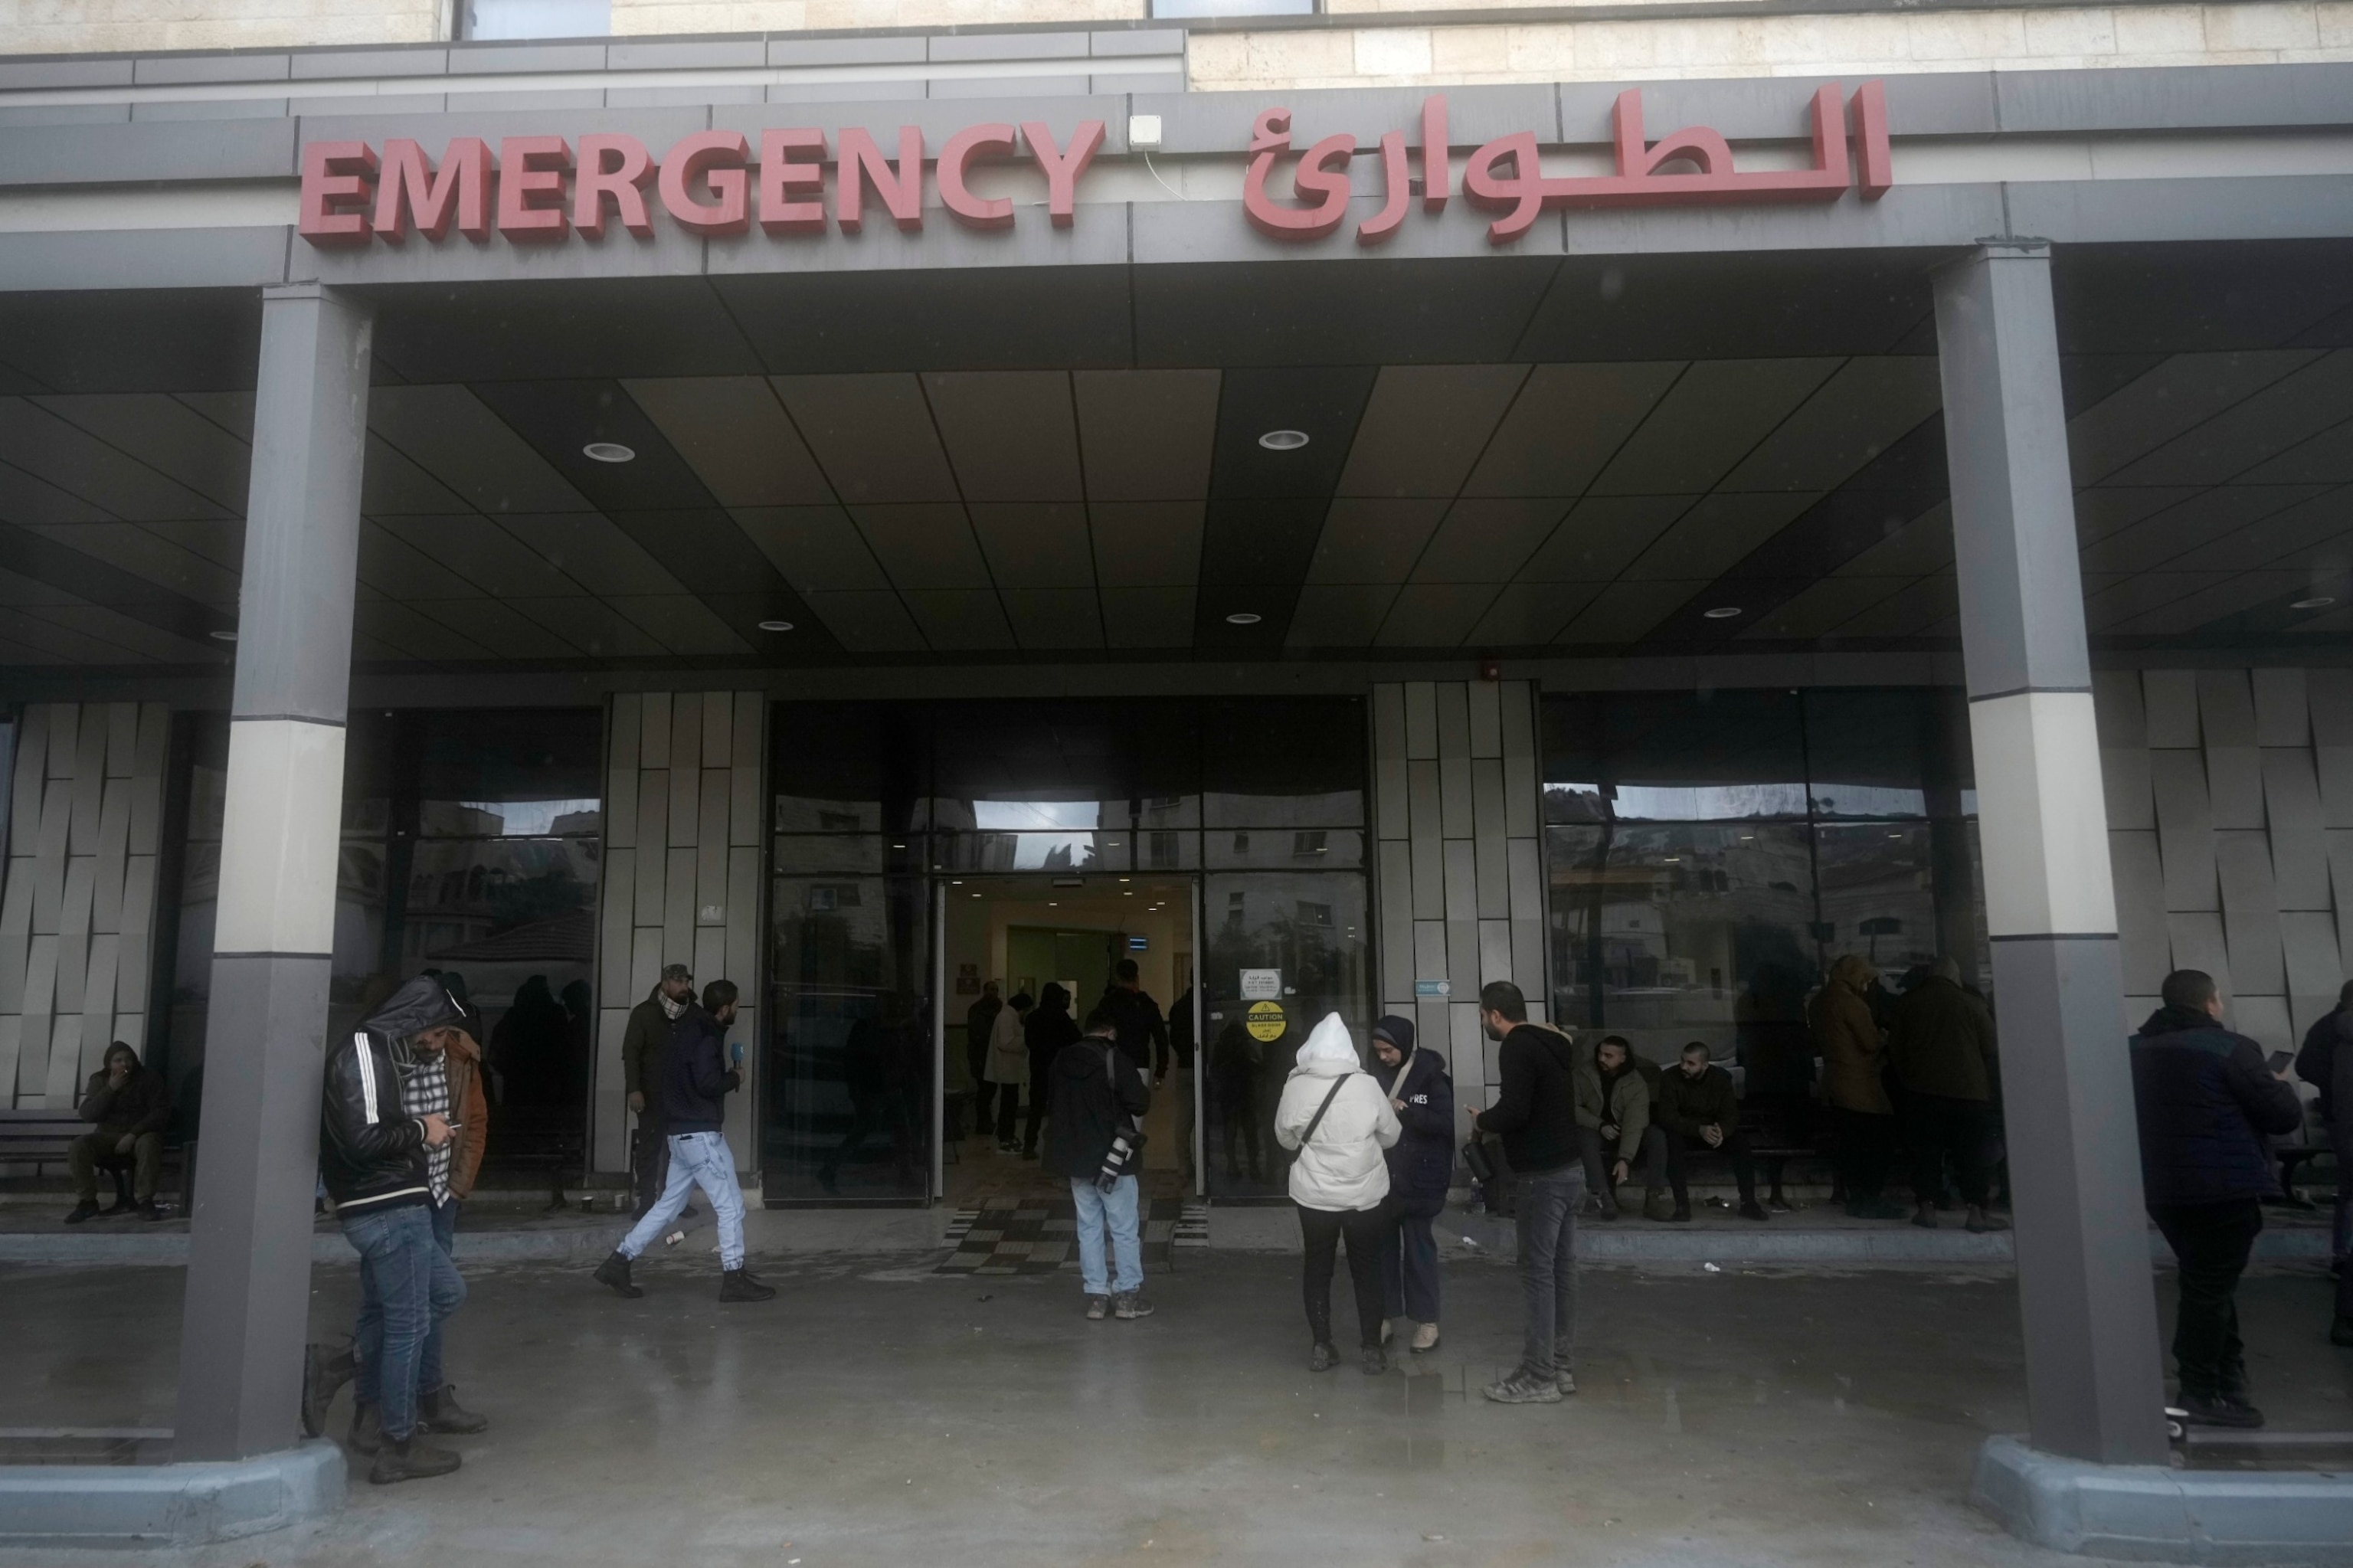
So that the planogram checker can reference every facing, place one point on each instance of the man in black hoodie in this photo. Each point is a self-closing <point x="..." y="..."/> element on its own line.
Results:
<point x="2206" y="1100"/>
<point x="696" y="1079"/>
<point x="1099" y="1101"/>
<point x="1536" y="1114"/>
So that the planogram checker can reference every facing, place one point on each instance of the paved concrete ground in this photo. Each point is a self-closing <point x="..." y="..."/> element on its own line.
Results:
<point x="880" y="1413"/>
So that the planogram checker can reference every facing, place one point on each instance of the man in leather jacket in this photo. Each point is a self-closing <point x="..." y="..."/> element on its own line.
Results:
<point x="377" y="1159"/>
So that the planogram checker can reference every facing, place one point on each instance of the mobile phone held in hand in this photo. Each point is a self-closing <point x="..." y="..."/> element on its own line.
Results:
<point x="735" y="1052"/>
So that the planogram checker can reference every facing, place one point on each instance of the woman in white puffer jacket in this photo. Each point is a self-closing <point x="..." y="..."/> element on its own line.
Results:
<point x="1336" y="1115"/>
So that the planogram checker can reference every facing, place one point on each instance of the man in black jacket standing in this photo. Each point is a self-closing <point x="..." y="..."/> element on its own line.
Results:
<point x="696" y="1079"/>
<point x="1536" y="1114"/>
<point x="2206" y="1100"/>
<point x="1098" y="1099"/>
<point x="373" y="1156"/>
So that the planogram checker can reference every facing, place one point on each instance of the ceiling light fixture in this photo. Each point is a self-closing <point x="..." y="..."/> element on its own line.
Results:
<point x="224" y="636"/>
<point x="775" y="626"/>
<point x="1244" y="618"/>
<point x="1283" y="440"/>
<point x="1721" y="612"/>
<point x="608" y="451"/>
<point x="2321" y="601"/>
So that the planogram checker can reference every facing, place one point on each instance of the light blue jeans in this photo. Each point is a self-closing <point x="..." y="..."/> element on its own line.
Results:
<point x="696" y="1160"/>
<point x="1115" y="1210"/>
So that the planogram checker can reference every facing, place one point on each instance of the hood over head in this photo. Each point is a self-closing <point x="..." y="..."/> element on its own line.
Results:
<point x="1055" y="997"/>
<point x="1854" y="971"/>
<point x="1329" y="1050"/>
<point x="421" y="1004"/>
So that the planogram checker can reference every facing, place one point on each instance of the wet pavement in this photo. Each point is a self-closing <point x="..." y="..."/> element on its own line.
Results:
<point x="878" y="1413"/>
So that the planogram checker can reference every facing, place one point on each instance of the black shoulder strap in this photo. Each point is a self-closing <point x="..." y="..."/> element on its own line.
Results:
<point x="1317" y="1120"/>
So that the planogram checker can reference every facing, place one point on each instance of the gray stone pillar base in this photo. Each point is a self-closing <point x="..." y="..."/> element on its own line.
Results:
<point x="2151" y="1513"/>
<point x="168" y="1505"/>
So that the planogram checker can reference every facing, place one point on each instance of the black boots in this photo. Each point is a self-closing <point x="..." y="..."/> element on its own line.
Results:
<point x="615" y="1271"/>
<point x="410" y="1460"/>
<point x="367" y="1436"/>
<point x="440" y="1412"/>
<point x="85" y="1210"/>
<point x="738" y="1285"/>
<point x="323" y="1371"/>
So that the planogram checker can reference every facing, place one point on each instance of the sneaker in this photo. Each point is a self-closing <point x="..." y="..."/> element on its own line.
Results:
<point x="1375" y="1361"/>
<point x="1658" y="1205"/>
<point x="148" y="1211"/>
<point x="1750" y="1209"/>
<point x="323" y="1371"/>
<point x="1523" y="1388"/>
<point x="1979" y="1222"/>
<point x="120" y="1206"/>
<point x="85" y="1210"/>
<point x="1131" y="1306"/>
<point x="1564" y="1381"/>
<point x="1605" y="1209"/>
<point x="1682" y="1215"/>
<point x="2221" y="1410"/>
<point x="615" y="1271"/>
<point x="367" y="1436"/>
<point x="1098" y="1309"/>
<point x="410" y="1460"/>
<point x="1322" y="1358"/>
<point x="440" y="1414"/>
<point x="1425" y="1338"/>
<point x="736" y="1284"/>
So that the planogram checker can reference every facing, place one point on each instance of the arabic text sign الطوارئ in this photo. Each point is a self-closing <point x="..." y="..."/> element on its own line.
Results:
<point x="1265" y="1022"/>
<point x="1642" y="178"/>
<point x="1260" y="984"/>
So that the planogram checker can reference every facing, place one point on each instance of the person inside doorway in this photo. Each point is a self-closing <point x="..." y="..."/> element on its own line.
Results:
<point x="1180" y="1051"/>
<point x="1049" y="1028"/>
<point x="1003" y="1068"/>
<point x="2207" y="1102"/>
<point x="1234" y="1069"/>
<point x="979" y="1022"/>
<point x="1143" y="1031"/>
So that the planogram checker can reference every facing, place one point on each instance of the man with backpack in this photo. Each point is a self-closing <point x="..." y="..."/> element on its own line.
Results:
<point x="1536" y="1114"/>
<point x="1095" y="1136"/>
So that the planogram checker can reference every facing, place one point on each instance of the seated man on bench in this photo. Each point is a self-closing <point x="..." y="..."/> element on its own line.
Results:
<point x="1701" y="1115"/>
<point x="131" y="1106"/>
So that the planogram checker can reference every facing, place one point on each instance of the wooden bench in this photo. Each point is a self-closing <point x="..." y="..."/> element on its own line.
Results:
<point x="41" y="1137"/>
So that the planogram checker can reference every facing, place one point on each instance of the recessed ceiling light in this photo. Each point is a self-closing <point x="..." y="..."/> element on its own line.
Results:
<point x="2321" y="602"/>
<point x="609" y="451"/>
<point x="1721" y="612"/>
<point x="1244" y="618"/>
<point x="224" y="636"/>
<point x="1283" y="440"/>
<point x="775" y="626"/>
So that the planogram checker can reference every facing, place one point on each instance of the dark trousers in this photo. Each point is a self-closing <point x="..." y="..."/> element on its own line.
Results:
<point x="1600" y="1160"/>
<point x="2211" y="1242"/>
<point x="1410" y="1267"/>
<point x="1683" y="1148"/>
<point x="1544" y="1209"/>
<point x="1237" y="1108"/>
<point x="94" y="1151"/>
<point x="1037" y="1110"/>
<point x="1944" y="1128"/>
<point x="1866" y="1146"/>
<point x="1322" y="1229"/>
<point x="653" y="1160"/>
<point x="1009" y="1102"/>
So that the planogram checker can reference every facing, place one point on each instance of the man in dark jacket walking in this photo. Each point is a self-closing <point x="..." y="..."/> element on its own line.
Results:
<point x="1700" y="1114"/>
<point x="1100" y="1099"/>
<point x="1046" y="1031"/>
<point x="1534" y="1113"/>
<point x="132" y="1107"/>
<point x="2206" y="1101"/>
<point x="1136" y="1021"/>
<point x="644" y="1046"/>
<point x="1422" y="1168"/>
<point x="1940" y="1042"/>
<point x="697" y="1077"/>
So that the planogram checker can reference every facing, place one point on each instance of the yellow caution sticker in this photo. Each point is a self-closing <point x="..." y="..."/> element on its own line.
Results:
<point x="1266" y="1021"/>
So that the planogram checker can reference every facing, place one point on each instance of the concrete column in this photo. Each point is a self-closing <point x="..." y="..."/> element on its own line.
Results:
<point x="248" y="1290"/>
<point x="2094" y="1382"/>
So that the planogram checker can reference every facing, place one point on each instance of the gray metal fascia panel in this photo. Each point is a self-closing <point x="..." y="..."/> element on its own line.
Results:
<point x="501" y="60"/>
<point x="1062" y="118"/>
<point x="336" y="65"/>
<point x="677" y="97"/>
<point x="1009" y="46"/>
<point x="1138" y="41"/>
<point x="1097" y="240"/>
<point x="97" y="154"/>
<point x="179" y="111"/>
<point x="687" y="54"/>
<point x="1776" y="108"/>
<point x="656" y="128"/>
<point x="1220" y="122"/>
<point x="2172" y="98"/>
<point x="1217" y="231"/>
<point x="966" y="89"/>
<point x="846" y="51"/>
<point x="535" y="99"/>
<point x="2284" y="207"/>
<point x="67" y="114"/>
<point x="182" y="68"/>
<point x="133" y="259"/>
<point x="671" y="253"/>
<point x="375" y="103"/>
<point x="808" y="91"/>
<point x="1148" y="81"/>
<point x="1907" y="218"/>
<point x="19" y="75"/>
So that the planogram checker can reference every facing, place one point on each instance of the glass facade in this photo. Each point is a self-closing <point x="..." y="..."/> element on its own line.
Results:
<point x="471" y="841"/>
<point x="1264" y="798"/>
<point x="1710" y="853"/>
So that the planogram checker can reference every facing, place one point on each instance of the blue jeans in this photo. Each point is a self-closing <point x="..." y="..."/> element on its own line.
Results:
<point x="407" y="1287"/>
<point x="1115" y="1210"/>
<point x="1544" y="1205"/>
<point x="696" y="1160"/>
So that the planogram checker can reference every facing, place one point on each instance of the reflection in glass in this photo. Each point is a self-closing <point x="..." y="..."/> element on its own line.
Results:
<point x="847" y="1073"/>
<point x="1878" y="894"/>
<point x="1311" y="930"/>
<point x="1287" y="848"/>
<point x="1868" y="751"/>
